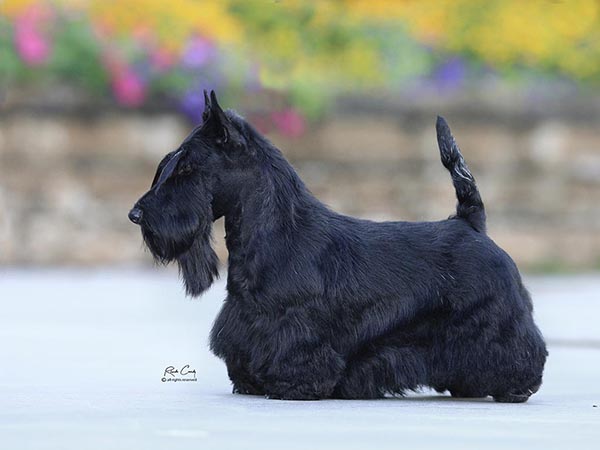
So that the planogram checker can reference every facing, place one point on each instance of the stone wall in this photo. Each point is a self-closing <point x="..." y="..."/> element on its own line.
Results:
<point x="68" y="178"/>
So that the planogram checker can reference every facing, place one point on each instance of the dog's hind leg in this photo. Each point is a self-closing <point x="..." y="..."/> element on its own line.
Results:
<point x="387" y="366"/>
<point x="503" y="357"/>
<point x="528" y="357"/>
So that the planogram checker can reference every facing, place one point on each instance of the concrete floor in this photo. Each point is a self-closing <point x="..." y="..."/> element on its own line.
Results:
<point x="83" y="353"/>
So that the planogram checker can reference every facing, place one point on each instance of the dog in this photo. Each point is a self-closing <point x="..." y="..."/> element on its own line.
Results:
<point x="322" y="305"/>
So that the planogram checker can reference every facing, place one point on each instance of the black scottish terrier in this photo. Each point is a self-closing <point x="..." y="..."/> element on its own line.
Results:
<point x="322" y="305"/>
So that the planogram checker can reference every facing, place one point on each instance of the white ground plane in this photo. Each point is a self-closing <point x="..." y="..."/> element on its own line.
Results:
<point x="83" y="354"/>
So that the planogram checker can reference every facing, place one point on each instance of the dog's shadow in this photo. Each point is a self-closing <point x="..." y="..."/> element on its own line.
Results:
<point x="416" y="398"/>
<point x="439" y="398"/>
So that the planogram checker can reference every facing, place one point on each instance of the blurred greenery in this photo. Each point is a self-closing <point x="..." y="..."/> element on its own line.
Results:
<point x="308" y="51"/>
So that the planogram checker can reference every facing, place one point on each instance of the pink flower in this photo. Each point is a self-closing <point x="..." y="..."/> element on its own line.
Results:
<point x="31" y="44"/>
<point x="162" y="59"/>
<point x="143" y="34"/>
<point x="128" y="87"/>
<point x="289" y="122"/>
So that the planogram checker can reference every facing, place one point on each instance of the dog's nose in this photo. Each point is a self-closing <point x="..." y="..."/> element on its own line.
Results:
<point x="135" y="215"/>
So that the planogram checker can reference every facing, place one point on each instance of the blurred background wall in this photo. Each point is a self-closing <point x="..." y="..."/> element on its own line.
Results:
<point x="94" y="93"/>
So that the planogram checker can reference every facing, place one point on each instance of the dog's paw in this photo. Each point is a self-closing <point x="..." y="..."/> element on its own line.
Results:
<point x="292" y="391"/>
<point x="520" y="396"/>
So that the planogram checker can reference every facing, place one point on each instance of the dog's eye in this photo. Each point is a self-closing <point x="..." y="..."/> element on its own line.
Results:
<point x="185" y="169"/>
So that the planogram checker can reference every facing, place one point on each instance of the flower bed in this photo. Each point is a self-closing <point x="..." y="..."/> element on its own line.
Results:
<point x="136" y="51"/>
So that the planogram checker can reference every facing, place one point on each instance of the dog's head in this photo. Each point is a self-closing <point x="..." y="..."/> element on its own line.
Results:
<point x="192" y="187"/>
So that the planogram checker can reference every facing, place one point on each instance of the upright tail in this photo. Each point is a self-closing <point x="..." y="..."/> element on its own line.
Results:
<point x="469" y="207"/>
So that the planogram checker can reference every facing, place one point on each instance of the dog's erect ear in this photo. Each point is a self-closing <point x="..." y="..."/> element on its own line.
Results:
<point x="216" y="108"/>
<point x="206" y="112"/>
<point x="217" y="124"/>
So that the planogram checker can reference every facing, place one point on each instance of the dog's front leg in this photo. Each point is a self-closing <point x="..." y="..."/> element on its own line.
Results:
<point x="303" y="372"/>
<point x="242" y="381"/>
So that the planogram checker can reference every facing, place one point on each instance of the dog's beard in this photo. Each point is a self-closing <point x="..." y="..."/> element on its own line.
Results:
<point x="198" y="262"/>
<point x="199" y="265"/>
<point x="164" y="247"/>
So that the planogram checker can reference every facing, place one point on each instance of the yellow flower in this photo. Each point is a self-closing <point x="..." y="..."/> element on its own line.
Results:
<point x="329" y="39"/>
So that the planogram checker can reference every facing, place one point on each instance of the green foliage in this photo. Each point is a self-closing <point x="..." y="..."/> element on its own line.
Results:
<point x="77" y="57"/>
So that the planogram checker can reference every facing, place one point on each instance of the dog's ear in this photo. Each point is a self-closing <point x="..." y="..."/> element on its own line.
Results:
<point x="206" y="112"/>
<point x="199" y="266"/>
<point x="218" y="125"/>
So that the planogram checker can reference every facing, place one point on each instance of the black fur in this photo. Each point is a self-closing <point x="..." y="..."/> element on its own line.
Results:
<point x="469" y="207"/>
<point x="322" y="305"/>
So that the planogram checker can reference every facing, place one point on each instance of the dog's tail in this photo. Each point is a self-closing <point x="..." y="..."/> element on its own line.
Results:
<point x="469" y="207"/>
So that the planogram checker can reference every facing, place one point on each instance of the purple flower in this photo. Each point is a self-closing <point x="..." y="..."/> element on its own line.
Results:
<point x="197" y="52"/>
<point x="451" y="74"/>
<point x="192" y="104"/>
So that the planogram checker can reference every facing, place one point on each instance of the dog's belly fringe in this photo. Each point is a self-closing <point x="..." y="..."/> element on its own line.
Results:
<point x="490" y="347"/>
